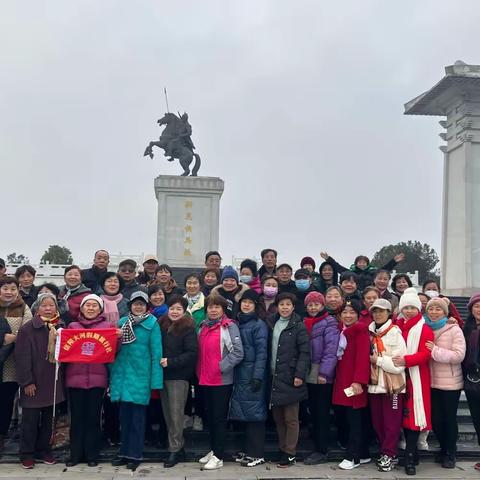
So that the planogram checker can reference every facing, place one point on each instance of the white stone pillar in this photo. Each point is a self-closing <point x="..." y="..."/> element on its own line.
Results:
<point x="188" y="218"/>
<point x="457" y="97"/>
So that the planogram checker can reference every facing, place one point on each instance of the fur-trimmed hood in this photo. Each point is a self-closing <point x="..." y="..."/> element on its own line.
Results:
<point x="242" y="287"/>
<point x="177" y="328"/>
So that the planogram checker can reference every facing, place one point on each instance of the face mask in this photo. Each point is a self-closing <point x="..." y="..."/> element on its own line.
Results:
<point x="302" y="284"/>
<point x="431" y="293"/>
<point x="246" y="278"/>
<point x="270" y="292"/>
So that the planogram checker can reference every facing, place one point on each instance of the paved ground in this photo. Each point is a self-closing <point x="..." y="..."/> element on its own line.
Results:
<point x="185" y="471"/>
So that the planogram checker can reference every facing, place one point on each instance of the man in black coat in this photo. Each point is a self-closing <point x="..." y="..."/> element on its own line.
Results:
<point x="93" y="277"/>
<point x="285" y="283"/>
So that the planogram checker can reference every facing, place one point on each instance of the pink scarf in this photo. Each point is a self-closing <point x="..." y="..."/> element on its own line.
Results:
<point x="110" y="308"/>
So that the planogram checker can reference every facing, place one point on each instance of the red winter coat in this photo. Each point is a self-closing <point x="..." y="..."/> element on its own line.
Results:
<point x="422" y="360"/>
<point x="353" y="367"/>
<point x="365" y="317"/>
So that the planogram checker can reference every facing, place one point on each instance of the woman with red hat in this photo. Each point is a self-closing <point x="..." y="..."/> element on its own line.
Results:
<point x="324" y="333"/>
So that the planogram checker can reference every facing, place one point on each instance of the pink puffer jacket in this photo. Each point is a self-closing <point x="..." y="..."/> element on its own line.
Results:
<point x="88" y="375"/>
<point x="447" y="356"/>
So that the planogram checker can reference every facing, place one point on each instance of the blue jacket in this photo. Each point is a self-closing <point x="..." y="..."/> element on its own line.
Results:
<point x="246" y="405"/>
<point x="136" y="370"/>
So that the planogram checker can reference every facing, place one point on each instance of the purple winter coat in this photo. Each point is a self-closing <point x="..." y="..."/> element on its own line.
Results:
<point x="88" y="375"/>
<point x="324" y="344"/>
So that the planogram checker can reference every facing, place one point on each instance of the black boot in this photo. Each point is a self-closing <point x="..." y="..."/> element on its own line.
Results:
<point x="439" y="457"/>
<point x="410" y="464"/>
<point x="118" y="461"/>
<point x="174" y="458"/>
<point x="133" y="465"/>
<point x="448" y="460"/>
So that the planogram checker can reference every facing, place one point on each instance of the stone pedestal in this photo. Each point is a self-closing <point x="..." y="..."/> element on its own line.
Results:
<point x="457" y="97"/>
<point x="188" y="218"/>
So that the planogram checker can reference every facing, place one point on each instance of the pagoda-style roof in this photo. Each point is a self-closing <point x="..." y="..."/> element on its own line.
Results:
<point x="460" y="80"/>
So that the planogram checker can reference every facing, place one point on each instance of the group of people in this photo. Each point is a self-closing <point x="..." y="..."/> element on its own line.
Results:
<point x="257" y="345"/>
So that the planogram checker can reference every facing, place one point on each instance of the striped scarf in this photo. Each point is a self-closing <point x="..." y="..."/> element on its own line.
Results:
<point x="128" y="334"/>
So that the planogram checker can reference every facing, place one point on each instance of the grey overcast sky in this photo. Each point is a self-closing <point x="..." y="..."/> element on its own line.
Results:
<point x="297" y="105"/>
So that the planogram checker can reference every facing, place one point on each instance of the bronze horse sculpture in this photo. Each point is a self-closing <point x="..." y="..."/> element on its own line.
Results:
<point x="176" y="141"/>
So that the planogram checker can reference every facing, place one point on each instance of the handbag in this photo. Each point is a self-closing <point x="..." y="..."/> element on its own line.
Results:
<point x="394" y="382"/>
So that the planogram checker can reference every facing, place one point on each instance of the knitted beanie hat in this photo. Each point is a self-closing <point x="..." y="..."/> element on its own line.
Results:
<point x="250" y="295"/>
<point x="438" y="302"/>
<point x="92" y="296"/>
<point x="410" y="299"/>
<point x="473" y="299"/>
<point x="314" y="297"/>
<point x="229" y="272"/>
<point x="307" y="261"/>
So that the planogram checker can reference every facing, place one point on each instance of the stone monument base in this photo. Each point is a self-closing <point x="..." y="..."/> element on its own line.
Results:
<point x="188" y="218"/>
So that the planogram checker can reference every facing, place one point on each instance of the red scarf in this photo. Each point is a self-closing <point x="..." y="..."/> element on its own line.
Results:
<point x="311" y="321"/>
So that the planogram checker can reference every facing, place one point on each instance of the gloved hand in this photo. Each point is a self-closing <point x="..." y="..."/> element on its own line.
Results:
<point x="255" y="385"/>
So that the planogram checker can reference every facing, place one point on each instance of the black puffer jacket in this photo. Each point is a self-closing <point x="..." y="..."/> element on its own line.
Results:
<point x="293" y="360"/>
<point x="93" y="277"/>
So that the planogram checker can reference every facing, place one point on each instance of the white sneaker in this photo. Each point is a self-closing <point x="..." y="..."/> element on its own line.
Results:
<point x="365" y="460"/>
<point x="239" y="457"/>
<point x="348" y="464"/>
<point x="213" y="463"/>
<point x="252" y="462"/>
<point x="197" y="423"/>
<point x="187" y="422"/>
<point x="207" y="457"/>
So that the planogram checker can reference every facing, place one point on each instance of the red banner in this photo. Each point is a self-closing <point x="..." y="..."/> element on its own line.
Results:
<point x="82" y="345"/>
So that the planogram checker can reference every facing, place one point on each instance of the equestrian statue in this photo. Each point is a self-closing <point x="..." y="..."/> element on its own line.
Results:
<point x="176" y="141"/>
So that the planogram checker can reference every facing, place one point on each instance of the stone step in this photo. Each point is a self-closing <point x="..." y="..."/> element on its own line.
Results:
<point x="464" y="415"/>
<point x="197" y="445"/>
